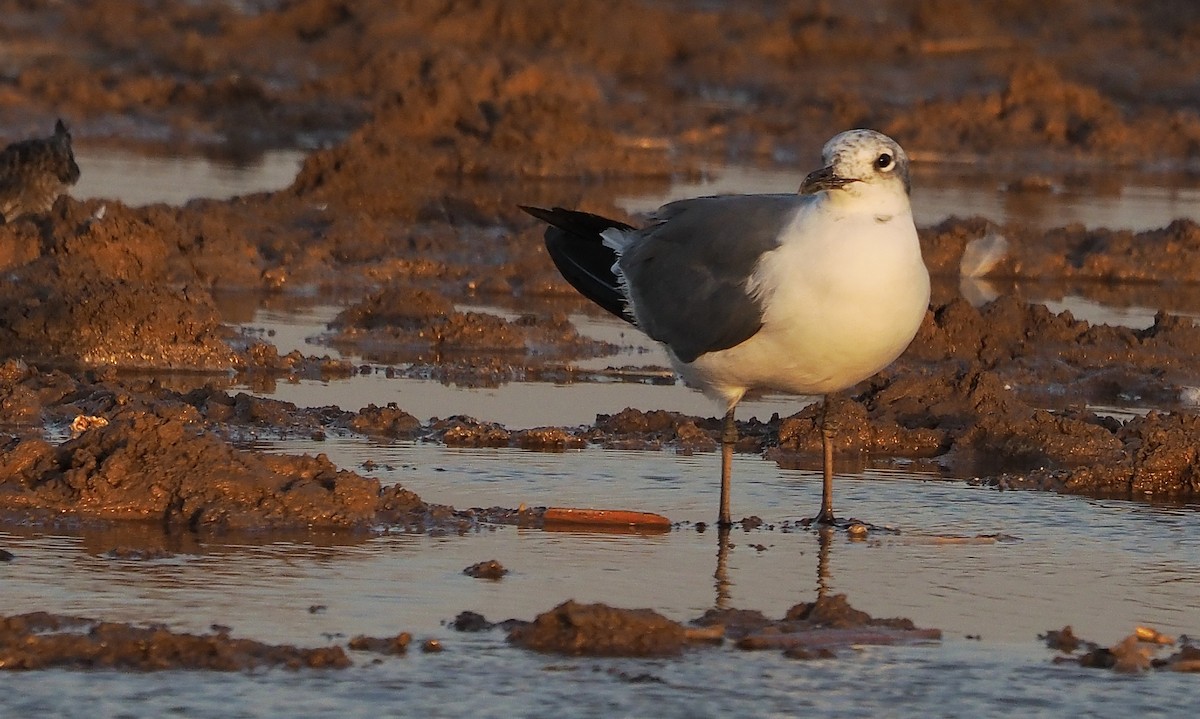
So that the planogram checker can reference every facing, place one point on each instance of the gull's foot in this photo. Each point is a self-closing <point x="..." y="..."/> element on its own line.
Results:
<point x="854" y="526"/>
<point x="825" y="518"/>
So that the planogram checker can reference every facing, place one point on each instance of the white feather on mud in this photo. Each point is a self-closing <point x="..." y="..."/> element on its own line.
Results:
<point x="982" y="254"/>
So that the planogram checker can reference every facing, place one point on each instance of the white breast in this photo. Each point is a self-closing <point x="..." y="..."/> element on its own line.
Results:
<point x="843" y="296"/>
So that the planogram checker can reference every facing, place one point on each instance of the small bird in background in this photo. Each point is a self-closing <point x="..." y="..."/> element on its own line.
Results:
<point x="33" y="173"/>
<point x="806" y="293"/>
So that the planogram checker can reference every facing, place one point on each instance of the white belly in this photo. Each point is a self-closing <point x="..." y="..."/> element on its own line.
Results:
<point x="835" y="314"/>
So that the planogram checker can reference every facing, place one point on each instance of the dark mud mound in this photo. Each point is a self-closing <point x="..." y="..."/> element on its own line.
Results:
<point x="104" y="323"/>
<point x="946" y="412"/>
<point x="165" y="469"/>
<point x="974" y="424"/>
<point x="397" y="645"/>
<point x="102" y="291"/>
<point x="1158" y="459"/>
<point x="601" y="630"/>
<point x="490" y="569"/>
<point x="1136" y="653"/>
<point x="1012" y="336"/>
<point x="814" y="630"/>
<point x="47" y="641"/>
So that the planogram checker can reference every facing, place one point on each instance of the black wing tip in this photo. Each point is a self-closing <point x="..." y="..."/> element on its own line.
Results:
<point x="550" y="217"/>
<point x="575" y="244"/>
<point x="577" y="222"/>
<point x="537" y="212"/>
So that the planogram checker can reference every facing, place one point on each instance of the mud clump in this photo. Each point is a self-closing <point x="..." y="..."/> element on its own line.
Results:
<point x="601" y="630"/>
<point x="102" y="293"/>
<point x="397" y="645"/>
<point x="814" y="630"/>
<point x="389" y="421"/>
<point x="1013" y="335"/>
<point x="148" y="467"/>
<point x="1134" y="654"/>
<point x="491" y="569"/>
<point x="1158" y="459"/>
<point x="468" y="621"/>
<point x="158" y="327"/>
<point x="44" y="641"/>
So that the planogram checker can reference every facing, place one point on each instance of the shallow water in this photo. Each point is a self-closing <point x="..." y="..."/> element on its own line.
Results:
<point x="137" y="179"/>
<point x="1101" y="566"/>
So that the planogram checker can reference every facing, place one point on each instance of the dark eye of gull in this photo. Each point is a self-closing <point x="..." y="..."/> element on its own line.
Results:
<point x="885" y="161"/>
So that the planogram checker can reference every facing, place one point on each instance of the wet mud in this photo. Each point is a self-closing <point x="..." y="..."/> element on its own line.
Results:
<point x="430" y="122"/>
<point x="811" y="630"/>
<point x="50" y="641"/>
<point x="807" y="631"/>
<point x="815" y="630"/>
<point x="1136" y="653"/>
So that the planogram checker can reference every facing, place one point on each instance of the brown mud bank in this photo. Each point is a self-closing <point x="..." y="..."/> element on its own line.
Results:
<point x="519" y="88"/>
<point x="142" y="452"/>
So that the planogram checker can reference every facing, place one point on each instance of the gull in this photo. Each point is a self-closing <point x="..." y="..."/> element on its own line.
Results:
<point x="806" y="293"/>
<point x="33" y="173"/>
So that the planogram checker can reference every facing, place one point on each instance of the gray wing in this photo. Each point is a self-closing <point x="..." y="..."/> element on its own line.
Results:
<point x="686" y="272"/>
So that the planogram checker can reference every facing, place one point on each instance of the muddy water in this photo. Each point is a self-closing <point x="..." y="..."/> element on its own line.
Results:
<point x="1042" y="561"/>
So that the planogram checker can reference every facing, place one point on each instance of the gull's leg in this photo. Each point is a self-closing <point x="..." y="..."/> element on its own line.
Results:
<point x="825" y="516"/>
<point x="728" y="440"/>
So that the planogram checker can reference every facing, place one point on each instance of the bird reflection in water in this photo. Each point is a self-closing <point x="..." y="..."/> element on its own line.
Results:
<point x="724" y="586"/>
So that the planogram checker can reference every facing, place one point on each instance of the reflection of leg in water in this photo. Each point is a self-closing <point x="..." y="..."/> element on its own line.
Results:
<point x="824" y="540"/>
<point x="722" y="573"/>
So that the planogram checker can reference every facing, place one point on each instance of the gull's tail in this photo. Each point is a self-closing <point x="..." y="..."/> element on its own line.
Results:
<point x="575" y="243"/>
